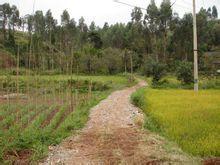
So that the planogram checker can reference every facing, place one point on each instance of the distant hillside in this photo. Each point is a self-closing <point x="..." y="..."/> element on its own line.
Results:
<point x="7" y="60"/>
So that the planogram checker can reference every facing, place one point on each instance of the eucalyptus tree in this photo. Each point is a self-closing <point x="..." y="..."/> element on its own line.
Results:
<point x="181" y="40"/>
<point x="152" y="22"/>
<point x="50" y="24"/>
<point x="83" y="30"/>
<point x="138" y="44"/>
<point x="136" y="14"/>
<point x="65" y="21"/>
<point x="5" y="13"/>
<point x="105" y="26"/>
<point x="214" y="12"/>
<point x="209" y="13"/>
<point x="15" y="17"/>
<point x="92" y="26"/>
<point x="38" y="36"/>
<point x="165" y="20"/>
<point x="216" y="34"/>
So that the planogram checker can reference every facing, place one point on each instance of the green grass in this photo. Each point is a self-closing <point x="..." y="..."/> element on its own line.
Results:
<point x="191" y="120"/>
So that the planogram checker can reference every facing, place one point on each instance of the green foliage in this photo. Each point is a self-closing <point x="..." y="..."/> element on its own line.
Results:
<point x="137" y="98"/>
<point x="171" y="82"/>
<point x="184" y="72"/>
<point x="155" y="69"/>
<point x="161" y="34"/>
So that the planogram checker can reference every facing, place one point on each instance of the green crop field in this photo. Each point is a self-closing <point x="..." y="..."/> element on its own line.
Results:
<point x="49" y="109"/>
<point x="190" y="119"/>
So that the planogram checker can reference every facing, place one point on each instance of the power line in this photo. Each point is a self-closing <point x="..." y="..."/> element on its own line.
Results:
<point x="117" y="1"/>
<point x="130" y="5"/>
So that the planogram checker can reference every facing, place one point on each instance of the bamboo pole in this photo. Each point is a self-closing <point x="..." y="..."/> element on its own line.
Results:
<point x="17" y="73"/>
<point x="71" y="83"/>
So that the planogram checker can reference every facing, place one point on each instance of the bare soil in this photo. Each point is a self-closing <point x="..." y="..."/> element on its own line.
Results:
<point x="49" y="118"/>
<point x="113" y="136"/>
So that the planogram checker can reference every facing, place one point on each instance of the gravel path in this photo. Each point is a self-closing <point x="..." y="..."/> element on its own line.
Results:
<point x="113" y="136"/>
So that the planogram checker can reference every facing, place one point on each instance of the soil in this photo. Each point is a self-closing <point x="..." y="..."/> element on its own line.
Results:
<point x="66" y="113"/>
<point x="212" y="161"/>
<point x="49" y="118"/>
<point x="113" y="136"/>
<point x="18" y="158"/>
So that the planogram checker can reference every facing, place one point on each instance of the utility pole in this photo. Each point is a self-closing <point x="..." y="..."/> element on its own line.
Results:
<point x="195" y="49"/>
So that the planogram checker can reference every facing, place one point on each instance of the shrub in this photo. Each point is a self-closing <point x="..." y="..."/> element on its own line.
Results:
<point x="155" y="69"/>
<point x="184" y="72"/>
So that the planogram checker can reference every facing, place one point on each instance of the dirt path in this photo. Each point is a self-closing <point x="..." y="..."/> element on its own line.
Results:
<point x="112" y="137"/>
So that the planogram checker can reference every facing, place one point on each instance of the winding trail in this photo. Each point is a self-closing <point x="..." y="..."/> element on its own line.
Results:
<point x="113" y="136"/>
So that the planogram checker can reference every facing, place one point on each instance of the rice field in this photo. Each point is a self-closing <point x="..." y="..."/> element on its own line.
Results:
<point x="192" y="120"/>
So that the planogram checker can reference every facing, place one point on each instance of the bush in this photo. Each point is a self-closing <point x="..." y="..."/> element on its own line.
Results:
<point x="155" y="69"/>
<point x="184" y="72"/>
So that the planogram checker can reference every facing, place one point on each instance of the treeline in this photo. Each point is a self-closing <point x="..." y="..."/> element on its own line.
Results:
<point x="158" y="36"/>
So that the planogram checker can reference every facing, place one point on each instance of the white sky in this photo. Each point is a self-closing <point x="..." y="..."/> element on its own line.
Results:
<point x="101" y="11"/>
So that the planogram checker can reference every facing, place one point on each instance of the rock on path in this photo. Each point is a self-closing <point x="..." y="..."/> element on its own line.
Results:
<point x="112" y="136"/>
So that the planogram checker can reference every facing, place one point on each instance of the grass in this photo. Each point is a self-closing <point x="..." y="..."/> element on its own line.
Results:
<point x="22" y="123"/>
<point x="189" y="119"/>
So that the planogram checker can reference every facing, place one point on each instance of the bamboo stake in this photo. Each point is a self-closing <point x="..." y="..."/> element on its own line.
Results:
<point x="17" y="85"/>
<point x="17" y="74"/>
<point x="71" y="83"/>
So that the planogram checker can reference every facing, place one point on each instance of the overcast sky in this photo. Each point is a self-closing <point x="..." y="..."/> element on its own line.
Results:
<point x="101" y="10"/>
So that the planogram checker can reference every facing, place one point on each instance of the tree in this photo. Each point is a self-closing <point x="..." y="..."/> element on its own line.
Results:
<point x="23" y="22"/>
<point x="155" y="69"/>
<point x="209" y="13"/>
<point x="95" y="39"/>
<point x="165" y="19"/>
<point x="39" y="23"/>
<point x="65" y="18"/>
<point x="66" y="38"/>
<point x="214" y="12"/>
<point x="152" y="16"/>
<point x="184" y="72"/>
<point x="216" y="34"/>
<point x="152" y="21"/>
<point x="14" y="20"/>
<point x="92" y="26"/>
<point x="106" y="26"/>
<point x="49" y="22"/>
<point x="136" y="14"/>
<point x="82" y="24"/>
<point x="90" y="55"/>
<point x="112" y="59"/>
<point x="180" y="46"/>
<point x="6" y="11"/>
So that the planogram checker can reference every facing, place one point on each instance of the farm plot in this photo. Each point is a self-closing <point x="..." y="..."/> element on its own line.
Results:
<point x="39" y="111"/>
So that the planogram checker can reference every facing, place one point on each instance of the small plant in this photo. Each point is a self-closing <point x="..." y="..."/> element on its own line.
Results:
<point x="185" y="72"/>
